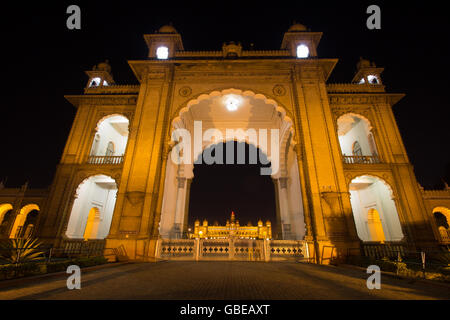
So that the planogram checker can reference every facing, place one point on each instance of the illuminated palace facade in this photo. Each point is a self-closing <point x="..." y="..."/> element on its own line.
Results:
<point x="232" y="229"/>
<point x="344" y="178"/>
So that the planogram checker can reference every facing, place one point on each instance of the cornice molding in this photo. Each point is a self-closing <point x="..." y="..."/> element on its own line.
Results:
<point x="364" y="98"/>
<point x="78" y="100"/>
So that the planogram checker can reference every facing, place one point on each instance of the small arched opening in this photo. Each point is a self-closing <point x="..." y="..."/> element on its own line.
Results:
<point x="6" y="215"/>
<point x="25" y="221"/>
<point x="356" y="139"/>
<point x="442" y="219"/>
<point x="110" y="140"/>
<point x="374" y="210"/>
<point x="93" y="208"/>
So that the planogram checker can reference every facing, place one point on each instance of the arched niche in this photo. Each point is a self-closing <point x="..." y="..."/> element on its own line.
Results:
<point x="372" y="204"/>
<point x="95" y="199"/>
<point x="111" y="136"/>
<point x="26" y="218"/>
<point x="441" y="217"/>
<point x="356" y="137"/>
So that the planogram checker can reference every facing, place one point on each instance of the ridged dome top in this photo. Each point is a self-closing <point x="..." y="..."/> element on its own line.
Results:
<point x="167" y="29"/>
<point x="297" y="27"/>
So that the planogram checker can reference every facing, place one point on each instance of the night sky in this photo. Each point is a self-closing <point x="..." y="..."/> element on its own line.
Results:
<point x="43" y="61"/>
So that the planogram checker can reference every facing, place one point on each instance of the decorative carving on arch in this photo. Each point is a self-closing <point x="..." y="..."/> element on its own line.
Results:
<point x="82" y="175"/>
<point x="279" y="90"/>
<point x="385" y="177"/>
<point x="268" y="98"/>
<point x="103" y="115"/>
<point x="185" y="91"/>
<point x="364" y="113"/>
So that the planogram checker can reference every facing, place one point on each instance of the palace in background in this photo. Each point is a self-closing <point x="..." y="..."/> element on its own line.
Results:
<point x="232" y="229"/>
<point x="344" y="181"/>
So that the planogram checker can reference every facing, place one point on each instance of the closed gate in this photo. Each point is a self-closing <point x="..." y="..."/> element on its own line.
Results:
<point x="231" y="249"/>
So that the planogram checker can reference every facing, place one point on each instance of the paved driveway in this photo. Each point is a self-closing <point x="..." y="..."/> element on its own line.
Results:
<point x="227" y="281"/>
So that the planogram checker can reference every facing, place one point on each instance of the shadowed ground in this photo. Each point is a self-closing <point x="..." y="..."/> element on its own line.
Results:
<point x="225" y="281"/>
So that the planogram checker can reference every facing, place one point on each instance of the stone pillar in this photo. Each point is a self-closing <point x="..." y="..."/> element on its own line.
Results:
<point x="186" y="206"/>
<point x="284" y="207"/>
<point x="305" y="194"/>
<point x="278" y="231"/>
<point x="180" y="207"/>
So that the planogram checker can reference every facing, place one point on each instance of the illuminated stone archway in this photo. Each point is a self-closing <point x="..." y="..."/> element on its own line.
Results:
<point x="233" y="115"/>
<point x="25" y="221"/>
<point x="6" y="211"/>
<point x="93" y="208"/>
<point x="4" y="208"/>
<point x="110" y="139"/>
<point x="441" y="217"/>
<point x="356" y="138"/>
<point x="374" y="210"/>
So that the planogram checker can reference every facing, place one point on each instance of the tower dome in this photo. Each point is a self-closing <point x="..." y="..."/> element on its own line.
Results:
<point x="363" y="63"/>
<point x="297" y="27"/>
<point x="167" y="29"/>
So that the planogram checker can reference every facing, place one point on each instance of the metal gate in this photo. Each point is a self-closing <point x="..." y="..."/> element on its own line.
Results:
<point x="231" y="249"/>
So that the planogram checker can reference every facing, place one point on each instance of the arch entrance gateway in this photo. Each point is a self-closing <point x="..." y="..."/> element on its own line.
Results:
<point x="280" y="102"/>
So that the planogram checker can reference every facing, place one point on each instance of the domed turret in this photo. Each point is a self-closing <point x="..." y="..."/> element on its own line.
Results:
<point x="367" y="73"/>
<point x="100" y="75"/>
<point x="167" y="29"/>
<point x="103" y="66"/>
<point x="297" y="27"/>
<point x="363" y="63"/>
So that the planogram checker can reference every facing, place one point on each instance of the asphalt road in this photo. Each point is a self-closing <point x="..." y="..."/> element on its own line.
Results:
<point x="224" y="281"/>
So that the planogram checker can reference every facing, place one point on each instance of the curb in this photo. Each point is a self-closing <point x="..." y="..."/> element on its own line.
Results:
<point x="396" y="276"/>
<point x="29" y="280"/>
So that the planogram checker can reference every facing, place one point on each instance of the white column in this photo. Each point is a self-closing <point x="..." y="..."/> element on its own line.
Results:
<point x="284" y="205"/>
<point x="180" y="206"/>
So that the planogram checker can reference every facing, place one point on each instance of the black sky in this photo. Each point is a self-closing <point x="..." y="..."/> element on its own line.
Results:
<point x="43" y="61"/>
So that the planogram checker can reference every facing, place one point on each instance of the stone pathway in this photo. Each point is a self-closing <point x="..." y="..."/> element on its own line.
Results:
<point x="227" y="281"/>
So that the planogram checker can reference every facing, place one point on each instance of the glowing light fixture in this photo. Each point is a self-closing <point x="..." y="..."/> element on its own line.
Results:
<point x="372" y="79"/>
<point x="232" y="102"/>
<point x="105" y="83"/>
<point x="302" y="51"/>
<point x="95" y="82"/>
<point x="162" y="52"/>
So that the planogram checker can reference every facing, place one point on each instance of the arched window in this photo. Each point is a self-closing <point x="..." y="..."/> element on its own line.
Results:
<point x="110" y="139"/>
<point x="27" y="215"/>
<point x="6" y="215"/>
<point x="85" y="221"/>
<point x="442" y="219"/>
<point x="374" y="210"/>
<point x="356" y="139"/>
